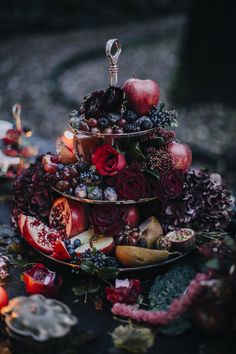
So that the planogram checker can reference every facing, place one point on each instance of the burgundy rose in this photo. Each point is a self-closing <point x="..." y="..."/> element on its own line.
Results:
<point x="111" y="219"/>
<point x="170" y="185"/>
<point x="126" y="291"/>
<point x="130" y="184"/>
<point x="108" y="161"/>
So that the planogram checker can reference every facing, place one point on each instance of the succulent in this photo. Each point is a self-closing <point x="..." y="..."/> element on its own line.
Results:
<point x="205" y="204"/>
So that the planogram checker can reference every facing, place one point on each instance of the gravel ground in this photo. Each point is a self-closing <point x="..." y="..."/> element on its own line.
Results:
<point x="50" y="74"/>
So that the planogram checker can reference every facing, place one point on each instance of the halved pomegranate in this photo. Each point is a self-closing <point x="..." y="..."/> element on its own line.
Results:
<point x="60" y="251"/>
<point x="40" y="236"/>
<point x="68" y="215"/>
<point x="21" y="222"/>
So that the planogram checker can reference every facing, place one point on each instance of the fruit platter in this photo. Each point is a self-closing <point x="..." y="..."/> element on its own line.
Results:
<point x="123" y="196"/>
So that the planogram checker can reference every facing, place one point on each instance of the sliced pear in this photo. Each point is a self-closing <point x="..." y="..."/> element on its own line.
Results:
<point x="151" y="230"/>
<point x="131" y="256"/>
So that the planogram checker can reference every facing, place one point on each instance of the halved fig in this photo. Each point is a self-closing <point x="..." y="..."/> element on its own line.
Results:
<point x="68" y="215"/>
<point x="60" y="251"/>
<point x="40" y="236"/>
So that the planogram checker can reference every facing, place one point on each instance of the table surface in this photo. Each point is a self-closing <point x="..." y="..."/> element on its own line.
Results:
<point x="101" y="322"/>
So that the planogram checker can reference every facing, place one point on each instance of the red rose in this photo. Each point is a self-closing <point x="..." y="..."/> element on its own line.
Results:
<point x="170" y="185"/>
<point x="130" y="184"/>
<point x="108" y="161"/>
<point x="126" y="291"/>
<point x="111" y="219"/>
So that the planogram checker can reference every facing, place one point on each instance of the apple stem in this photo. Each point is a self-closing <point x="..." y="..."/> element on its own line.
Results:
<point x="134" y="76"/>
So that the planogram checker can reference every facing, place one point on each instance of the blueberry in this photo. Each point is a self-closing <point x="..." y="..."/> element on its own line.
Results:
<point x="67" y="242"/>
<point x="77" y="243"/>
<point x="60" y="167"/>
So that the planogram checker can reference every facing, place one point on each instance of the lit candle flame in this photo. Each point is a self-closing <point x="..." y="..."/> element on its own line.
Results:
<point x="68" y="135"/>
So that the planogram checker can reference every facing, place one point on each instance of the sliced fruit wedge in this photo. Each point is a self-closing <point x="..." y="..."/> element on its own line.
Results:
<point x="39" y="235"/>
<point x="60" y="251"/>
<point x="104" y="244"/>
<point x="131" y="256"/>
<point x="182" y="239"/>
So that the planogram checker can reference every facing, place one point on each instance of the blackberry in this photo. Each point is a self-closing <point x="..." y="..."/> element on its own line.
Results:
<point x="146" y="123"/>
<point x="113" y="99"/>
<point x="142" y="243"/>
<point x="82" y="166"/>
<point x="89" y="178"/>
<point x="130" y="116"/>
<point x="162" y="118"/>
<point x="103" y="123"/>
<point x="131" y="128"/>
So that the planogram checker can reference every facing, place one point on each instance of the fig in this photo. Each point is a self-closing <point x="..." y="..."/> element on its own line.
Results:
<point x="151" y="230"/>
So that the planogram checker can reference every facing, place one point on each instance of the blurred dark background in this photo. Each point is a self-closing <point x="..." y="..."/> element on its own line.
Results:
<point x="52" y="55"/>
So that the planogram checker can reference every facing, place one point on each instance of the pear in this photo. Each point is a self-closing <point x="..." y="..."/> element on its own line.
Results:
<point x="151" y="230"/>
<point x="131" y="256"/>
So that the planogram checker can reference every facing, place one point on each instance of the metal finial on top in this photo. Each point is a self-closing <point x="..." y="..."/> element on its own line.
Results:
<point x="113" y="59"/>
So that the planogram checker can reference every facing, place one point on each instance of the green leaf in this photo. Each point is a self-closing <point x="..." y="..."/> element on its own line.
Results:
<point x="134" y="152"/>
<point x="87" y="267"/>
<point x="107" y="273"/>
<point x="152" y="172"/>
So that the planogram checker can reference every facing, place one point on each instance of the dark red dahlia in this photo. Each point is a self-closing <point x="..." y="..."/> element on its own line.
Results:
<point x="93" y="105"/>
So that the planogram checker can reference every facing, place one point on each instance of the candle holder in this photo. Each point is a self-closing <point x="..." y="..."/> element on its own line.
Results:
<point x="38" y="325"/>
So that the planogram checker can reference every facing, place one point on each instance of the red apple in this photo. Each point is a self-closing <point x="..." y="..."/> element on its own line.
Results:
<point x="181" y="155"/>
<point x="104" y="244"/>
<point x="70" y="214"/>
<point x="141" y="95"/>
<point x="131" y="217"/>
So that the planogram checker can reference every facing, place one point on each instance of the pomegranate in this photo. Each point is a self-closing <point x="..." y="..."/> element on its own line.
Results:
<point x="141" y="95"/>
<point x="60" y="252"/>
<point x="39" y="235"/>
<point x="21" y="222"/>
<point x="68" y="215"/>
<point x="181" y="155"/>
